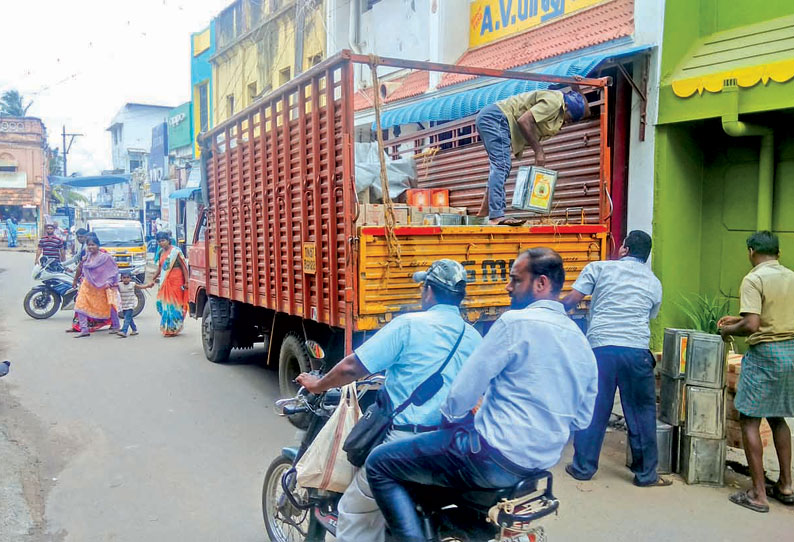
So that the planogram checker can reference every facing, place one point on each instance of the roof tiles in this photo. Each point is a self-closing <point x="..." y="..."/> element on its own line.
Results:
<point x="602" y="23"/>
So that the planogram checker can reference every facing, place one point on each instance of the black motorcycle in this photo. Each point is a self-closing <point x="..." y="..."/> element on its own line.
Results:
<point x="293" y="513"/>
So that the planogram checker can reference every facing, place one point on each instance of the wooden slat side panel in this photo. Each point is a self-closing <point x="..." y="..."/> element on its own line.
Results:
<point x="276" y="181"/>
<point x="486" y="252"/>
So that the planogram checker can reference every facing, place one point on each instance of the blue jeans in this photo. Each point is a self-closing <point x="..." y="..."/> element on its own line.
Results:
<point x="494" y="131"/>
<point x="128" y="321"/>
<point x="631" y="370"/>
<point x="453" y="458"/>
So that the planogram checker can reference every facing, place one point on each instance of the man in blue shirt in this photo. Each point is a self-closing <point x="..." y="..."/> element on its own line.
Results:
<point x="409" y="349"/>
<point x="625" y="296"/>
<point x="536" y="376"/>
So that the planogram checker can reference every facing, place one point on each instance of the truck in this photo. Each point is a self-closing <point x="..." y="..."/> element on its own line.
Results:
<point x="278" y="256"/>
<point x="124" y="240"/>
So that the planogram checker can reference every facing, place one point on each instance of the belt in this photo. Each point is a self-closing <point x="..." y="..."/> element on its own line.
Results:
<point x="414" y="428"/>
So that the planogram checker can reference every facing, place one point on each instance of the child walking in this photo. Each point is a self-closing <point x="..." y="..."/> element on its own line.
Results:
<point x="128" y="301"/>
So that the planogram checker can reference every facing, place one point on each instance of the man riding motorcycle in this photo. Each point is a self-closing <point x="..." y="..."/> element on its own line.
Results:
<point x="409" y="349"/>
<point x="537" y="378"/>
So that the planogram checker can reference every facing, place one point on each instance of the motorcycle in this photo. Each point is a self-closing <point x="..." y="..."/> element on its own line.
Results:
<point x="56" y="291"/>
<point x="292" y="513"/>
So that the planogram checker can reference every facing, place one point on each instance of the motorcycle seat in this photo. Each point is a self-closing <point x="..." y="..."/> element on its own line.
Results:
<point x="485" y="498"/>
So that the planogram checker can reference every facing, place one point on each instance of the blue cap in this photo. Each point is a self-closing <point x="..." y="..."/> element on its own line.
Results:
<point x="575" y="104"/>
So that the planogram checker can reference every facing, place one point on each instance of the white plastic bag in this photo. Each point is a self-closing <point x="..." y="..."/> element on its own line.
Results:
<point x="325" y="465"/>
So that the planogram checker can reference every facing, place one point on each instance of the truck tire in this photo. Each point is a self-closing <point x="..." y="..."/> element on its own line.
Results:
<point x="140" y="302"/>
<point x="217" y="343"/>
<point x="292" y="361"/>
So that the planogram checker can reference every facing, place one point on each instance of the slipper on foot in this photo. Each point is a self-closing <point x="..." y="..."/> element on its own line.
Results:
<point x="774" y="492"/>
<point x="510" y="222"/>
<point x="660" y="482"/>
<point x="742" y="498"/>
<point x="81" y="335"/>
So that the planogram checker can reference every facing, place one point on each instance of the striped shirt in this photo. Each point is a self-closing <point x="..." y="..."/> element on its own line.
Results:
<point x="128" y="299"/>
<point x="51" y="246"/>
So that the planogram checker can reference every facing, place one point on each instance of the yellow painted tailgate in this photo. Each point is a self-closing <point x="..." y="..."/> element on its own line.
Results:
<point x="487" y="252"/>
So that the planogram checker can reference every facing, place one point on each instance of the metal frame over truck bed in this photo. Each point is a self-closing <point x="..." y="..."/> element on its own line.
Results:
<point x="282" y="253"/>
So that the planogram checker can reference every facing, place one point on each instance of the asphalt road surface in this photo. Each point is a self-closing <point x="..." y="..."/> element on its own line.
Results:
<point x="143" y="439"/>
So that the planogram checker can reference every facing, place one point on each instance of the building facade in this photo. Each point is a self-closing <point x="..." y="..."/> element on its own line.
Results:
<point x="23" y="172"/>
<point x="260" y="45"/>
<point x="724" y="148"/>
<point x="202" y="47"/>
<point x="131" y="134"/>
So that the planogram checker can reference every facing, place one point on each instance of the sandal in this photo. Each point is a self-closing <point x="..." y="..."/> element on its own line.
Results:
<point x="660" y="482"/>
<point x="774" y="492"/>
<point x="81" y="335"/>
<point x="505" y="221"/>
<point x="742" y="498"/>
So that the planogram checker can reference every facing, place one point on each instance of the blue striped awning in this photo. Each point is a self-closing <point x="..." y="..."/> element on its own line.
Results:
<point x="468" y="102"/>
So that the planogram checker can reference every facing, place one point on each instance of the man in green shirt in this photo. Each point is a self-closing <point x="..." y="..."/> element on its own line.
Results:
<point x="508" y="126"/>
<point x="766" y="383"/>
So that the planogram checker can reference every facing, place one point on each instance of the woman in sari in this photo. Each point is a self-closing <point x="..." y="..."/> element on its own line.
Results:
<point x="172" y="296"/>
<point x="98" y="296"/>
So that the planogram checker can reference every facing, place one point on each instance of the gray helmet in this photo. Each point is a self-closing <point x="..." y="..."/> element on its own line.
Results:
<point x="447" y="274"/>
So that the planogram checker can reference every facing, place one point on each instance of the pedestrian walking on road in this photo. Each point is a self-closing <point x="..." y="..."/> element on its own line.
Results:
<point x="766" y="382"/>
<point x="172" y="296"/>
<point x="625" y="296"/>
<point x="50" y="245"/>
<point x="128" y="302"/>
<point x="98" y="297"/>
<point x="508" y="126"/>
<point x="12" y="227"/>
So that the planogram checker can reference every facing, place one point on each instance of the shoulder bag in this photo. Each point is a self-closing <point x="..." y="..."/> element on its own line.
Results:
<point x="373" y="426"/>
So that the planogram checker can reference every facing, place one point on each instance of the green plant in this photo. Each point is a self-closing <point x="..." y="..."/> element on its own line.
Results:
<point x="704" y="311"/>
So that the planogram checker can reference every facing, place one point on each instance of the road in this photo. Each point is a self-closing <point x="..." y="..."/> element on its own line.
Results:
<point x="142" y="439"/>
<point x="137" y="439"/>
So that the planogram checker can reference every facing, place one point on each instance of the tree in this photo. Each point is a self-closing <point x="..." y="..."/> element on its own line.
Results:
<point x="66" y="195"/>
<point x="12" y="104"/>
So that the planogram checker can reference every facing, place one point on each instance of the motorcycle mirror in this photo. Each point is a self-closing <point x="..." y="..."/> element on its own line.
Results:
<point x="315" y="350"/>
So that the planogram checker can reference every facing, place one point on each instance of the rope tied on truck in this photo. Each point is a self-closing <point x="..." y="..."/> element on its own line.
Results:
<point x="392" y="243"/>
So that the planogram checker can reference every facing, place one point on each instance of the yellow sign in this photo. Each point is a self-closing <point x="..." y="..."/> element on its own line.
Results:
<point x="491" y="20"/>
<point x="309" y="258"/>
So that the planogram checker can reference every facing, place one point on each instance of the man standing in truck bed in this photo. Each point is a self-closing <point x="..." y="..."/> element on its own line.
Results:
<point x="508" y="126"/>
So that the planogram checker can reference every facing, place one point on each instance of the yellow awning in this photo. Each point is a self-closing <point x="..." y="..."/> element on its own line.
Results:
<point x="743" y="56"/>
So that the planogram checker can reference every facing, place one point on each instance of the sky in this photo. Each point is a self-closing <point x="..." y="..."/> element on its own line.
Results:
<point x="81" y="61"/>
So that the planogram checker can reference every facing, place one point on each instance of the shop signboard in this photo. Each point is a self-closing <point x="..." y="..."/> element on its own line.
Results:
<point x="180" y="132"/>
<point x="491" y="20"/>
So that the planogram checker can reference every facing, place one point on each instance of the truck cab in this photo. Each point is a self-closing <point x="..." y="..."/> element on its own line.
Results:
<point x="124" y="240"/>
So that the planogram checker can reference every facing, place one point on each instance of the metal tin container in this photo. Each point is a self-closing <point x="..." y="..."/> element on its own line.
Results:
<point x="705" y="360"/>
<point x="444" y="219"/>
<point x="666" y="443"/>
<point x="702" y="460"/>
<point x="534" y="189"/>
<point x="705" y="412"/>
<point x="470" y="220"/>
<point x="671" y="400"/>
<point x="674" y="350"/>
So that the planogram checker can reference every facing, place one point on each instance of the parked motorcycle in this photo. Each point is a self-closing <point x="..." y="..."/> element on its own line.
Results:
<point x="293" y="513"/>
<point x="56" y="291"/>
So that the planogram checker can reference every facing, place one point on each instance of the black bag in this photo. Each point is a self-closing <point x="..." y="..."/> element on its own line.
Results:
<point x="373" y="426"/>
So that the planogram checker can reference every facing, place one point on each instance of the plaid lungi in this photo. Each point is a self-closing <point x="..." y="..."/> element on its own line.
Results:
<point x="766" y="383"/>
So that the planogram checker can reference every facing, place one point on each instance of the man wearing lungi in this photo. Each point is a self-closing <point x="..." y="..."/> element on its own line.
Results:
<point x="766" y="382"/>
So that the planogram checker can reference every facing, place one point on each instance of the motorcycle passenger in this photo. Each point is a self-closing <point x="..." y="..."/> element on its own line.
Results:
<point x="537" y="378"/>
<point x="409" y="349"/>
<point x="79" y="253"/>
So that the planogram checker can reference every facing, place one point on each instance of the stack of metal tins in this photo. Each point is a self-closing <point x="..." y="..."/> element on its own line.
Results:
<point x="693" y="397"/>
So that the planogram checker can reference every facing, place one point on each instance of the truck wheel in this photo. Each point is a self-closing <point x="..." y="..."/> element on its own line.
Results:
<point x="217" y="343"/>
<point x="292" y="361"/>
<point x="140" y="303"/>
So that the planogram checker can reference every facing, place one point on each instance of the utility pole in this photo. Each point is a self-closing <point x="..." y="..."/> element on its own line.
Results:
<point x="66" y="149"/>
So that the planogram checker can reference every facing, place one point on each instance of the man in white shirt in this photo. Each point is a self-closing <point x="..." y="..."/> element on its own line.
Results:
<point x="625" y="296"/>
